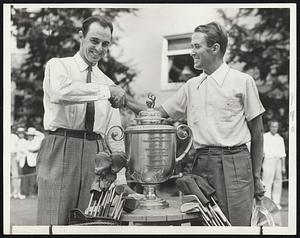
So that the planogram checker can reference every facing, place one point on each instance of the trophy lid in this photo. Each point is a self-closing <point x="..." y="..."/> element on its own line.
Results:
<point x="150" y="116"/>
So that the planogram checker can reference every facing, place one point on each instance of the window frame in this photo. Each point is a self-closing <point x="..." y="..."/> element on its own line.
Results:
<point x="164" y="82"/>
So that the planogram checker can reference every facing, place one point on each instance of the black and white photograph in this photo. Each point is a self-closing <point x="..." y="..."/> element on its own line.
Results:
<point x="149" y="119"/>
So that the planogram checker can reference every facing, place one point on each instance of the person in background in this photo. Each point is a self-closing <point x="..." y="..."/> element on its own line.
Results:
<point x="224" y="112"/>
<point x="15" y="180"/>
<point x="274" y="163"/>
<point x="34" y="140"/>
<point x="80" y="104"/>
<point x="21" y="156"/>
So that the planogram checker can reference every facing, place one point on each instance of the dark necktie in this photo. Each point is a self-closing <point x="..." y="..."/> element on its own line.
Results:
<point x="90" y="107"/>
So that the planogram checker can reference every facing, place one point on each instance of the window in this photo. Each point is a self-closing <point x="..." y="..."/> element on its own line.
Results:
<point x="177" y="64"/>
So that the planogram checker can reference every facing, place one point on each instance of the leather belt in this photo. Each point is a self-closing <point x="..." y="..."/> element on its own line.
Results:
<point x="222" y="148"/>
<point x="76" y="134"/>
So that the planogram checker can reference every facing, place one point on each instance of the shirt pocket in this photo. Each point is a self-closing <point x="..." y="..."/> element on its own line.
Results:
<point x="194" y="113"/>
<point x="228" y="109"/>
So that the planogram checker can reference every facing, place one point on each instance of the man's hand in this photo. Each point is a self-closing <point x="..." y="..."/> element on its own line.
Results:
<point x="117" y="98"/>
<point x="283" y="169"/>
<point x="259" y="189"/>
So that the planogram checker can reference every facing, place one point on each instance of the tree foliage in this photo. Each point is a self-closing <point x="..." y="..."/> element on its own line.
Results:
<point x="53" y="32"/>
<point x="261" y="43"/>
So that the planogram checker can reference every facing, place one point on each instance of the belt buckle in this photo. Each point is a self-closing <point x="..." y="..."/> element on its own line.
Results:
<point x="88" y="135"/>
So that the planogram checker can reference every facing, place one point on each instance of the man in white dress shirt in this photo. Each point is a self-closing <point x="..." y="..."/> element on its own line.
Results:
<point x="77" y="113"/>
<point x="273" y="163"/>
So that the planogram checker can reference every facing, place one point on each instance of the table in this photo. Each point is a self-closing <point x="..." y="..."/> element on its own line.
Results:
<point x="160" y="217"/>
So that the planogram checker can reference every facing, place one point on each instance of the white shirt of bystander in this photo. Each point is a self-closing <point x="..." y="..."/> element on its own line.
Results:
<point x="273" y="146"/>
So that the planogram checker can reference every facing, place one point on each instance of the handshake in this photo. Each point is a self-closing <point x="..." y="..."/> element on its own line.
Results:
<point x="118" y="96"/>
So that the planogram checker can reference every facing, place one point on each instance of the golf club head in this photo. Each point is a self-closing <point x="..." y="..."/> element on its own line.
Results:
<point x="190" y="207"/>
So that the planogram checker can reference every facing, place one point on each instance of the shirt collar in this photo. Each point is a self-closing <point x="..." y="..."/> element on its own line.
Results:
<point x="81" y="63"/>
<point x="220" y="74"/>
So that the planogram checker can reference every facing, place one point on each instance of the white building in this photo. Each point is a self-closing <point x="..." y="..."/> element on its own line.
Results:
<point x="156" y="40"/>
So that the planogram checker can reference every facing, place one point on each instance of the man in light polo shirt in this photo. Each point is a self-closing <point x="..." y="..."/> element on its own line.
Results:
<point x="224" y="112"/>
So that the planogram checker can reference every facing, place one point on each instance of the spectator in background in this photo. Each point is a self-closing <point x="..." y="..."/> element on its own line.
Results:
<point x="21" y="154"/>
<point x="274" y="163"/>
<point x="34" y="140"/>
<point x="15" y="180"/>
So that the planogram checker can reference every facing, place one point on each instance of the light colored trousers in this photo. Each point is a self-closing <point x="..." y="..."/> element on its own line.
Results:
<point x="15" y="181"/>
<point x="272" y="178"/>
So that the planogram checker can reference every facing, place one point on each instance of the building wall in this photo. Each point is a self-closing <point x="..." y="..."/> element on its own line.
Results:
<point x="142" y="37"/>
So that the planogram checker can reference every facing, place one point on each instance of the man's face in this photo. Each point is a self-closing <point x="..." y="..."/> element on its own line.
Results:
<point x="21" y="135"/>
<point x="30" y="137"/>
<point x="95" y="44"/>
<point x="201" y="53"/>
<point x="274" y="127"/>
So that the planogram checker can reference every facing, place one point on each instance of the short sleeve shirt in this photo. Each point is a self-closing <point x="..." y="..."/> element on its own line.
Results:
<point x="273" y="146"/>
<point x="217" y="106"/>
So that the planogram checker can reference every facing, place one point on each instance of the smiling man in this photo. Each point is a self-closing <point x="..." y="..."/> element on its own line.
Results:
<point x="77" y="96"/>
<point x="224" y="112"/>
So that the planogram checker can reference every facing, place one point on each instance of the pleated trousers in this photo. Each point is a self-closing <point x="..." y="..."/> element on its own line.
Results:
<point x="230" y="173"/>
<point x="65" y="172"/>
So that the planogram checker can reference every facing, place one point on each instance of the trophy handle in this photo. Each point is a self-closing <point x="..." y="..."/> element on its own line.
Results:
<point x="183" y="132"/>
<point x="114" y="136"/>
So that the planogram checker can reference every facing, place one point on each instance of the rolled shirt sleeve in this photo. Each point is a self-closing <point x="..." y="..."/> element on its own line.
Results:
<point x="252" y="104"/>
<point x="62" y="89"/>
<point x="176" y="105"/>
<point x="282" y="148"/>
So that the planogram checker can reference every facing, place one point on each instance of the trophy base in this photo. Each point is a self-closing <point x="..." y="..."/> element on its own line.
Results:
<point x="153" y="204"/>
<point x="152" y="201"/>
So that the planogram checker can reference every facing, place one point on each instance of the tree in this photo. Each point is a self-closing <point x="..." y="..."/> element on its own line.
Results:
<point x="261" y="43"/>
<point x="53" y="32"/>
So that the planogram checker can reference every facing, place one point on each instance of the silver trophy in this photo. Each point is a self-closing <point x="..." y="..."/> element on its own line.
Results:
<point x="151" y="150"/>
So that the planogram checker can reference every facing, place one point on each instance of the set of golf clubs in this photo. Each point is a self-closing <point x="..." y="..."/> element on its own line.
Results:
<point x="200" y="195"/>
<point x="210" y="212"/>
<point x="102" y="206"/>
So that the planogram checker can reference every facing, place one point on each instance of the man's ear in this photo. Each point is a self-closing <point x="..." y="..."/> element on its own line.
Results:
<point x="80" y="34"/>
<point x="215" y="48"/>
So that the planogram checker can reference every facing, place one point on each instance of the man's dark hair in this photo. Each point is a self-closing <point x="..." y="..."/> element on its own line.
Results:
<point x="273" y="121"/>
<point x="215" y="33"/>
<point x="103" y="22"/>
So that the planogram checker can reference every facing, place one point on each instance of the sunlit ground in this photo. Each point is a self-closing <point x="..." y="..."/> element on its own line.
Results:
<point x="23" y="212"/>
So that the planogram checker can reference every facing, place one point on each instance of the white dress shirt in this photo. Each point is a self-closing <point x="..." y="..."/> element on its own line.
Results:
<point x="218" y="107"/>
<point x="66" y="93"/>
<point x="22" y="149"/>
<point x="273" y="146"/>
<point x="14" y="143"/>
<point x="33" y="147"/>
